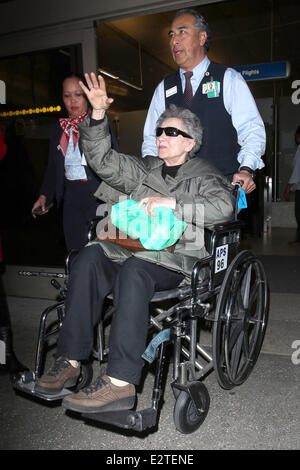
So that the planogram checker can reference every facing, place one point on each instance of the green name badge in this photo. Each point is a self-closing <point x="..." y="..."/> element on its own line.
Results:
<point x="211" y="89"/>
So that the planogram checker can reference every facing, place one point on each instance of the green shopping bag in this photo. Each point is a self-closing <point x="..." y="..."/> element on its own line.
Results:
<point x="154" y="233"/>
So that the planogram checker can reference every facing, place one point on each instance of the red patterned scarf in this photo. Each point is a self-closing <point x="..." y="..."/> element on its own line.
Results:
<point x="66" y="125"/>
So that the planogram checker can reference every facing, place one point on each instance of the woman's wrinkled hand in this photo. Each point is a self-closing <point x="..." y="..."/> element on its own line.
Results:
<point x="152" y="202"/>
<point x="96" y="94"/>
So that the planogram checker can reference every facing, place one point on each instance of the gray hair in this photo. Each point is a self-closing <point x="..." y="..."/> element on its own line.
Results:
<point x="191" y="123"/>
<point x="200" y="23"/>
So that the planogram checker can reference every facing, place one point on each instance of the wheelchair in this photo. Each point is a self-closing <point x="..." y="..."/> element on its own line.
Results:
<point x="228" y="291"/>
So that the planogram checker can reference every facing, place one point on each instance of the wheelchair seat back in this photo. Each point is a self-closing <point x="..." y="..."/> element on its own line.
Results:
<point x="223" y="246"/>
<point x="224" y="243"/>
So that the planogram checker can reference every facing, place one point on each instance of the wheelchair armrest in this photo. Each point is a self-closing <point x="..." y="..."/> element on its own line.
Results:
<point x="91" y="235"/>
<point x="231" y="225"/>
<point x="217" y="230"/>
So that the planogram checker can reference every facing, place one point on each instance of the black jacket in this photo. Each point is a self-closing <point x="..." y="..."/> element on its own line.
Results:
<point x="53" y="185"/>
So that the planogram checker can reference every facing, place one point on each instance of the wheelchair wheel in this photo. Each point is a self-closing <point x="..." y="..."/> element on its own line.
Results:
<point x="85" y="378"/>
<point x="187" y="417"/>
<point x="240" y="320"/>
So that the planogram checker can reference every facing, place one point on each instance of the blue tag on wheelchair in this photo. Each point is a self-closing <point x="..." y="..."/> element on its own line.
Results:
<point x="149" y="354"/>
<point x="242" y="201"/>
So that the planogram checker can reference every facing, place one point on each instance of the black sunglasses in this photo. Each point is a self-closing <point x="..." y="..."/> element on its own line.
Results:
<point x="171" y="132"/>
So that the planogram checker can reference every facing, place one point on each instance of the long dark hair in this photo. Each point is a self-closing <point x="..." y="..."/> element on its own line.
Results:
<point x="79" y="76"/>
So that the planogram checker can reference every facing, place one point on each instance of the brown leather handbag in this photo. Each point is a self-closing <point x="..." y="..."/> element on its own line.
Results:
<point x="126" y="241"/>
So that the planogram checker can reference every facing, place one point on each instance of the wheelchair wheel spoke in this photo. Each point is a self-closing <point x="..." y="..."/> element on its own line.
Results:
<point x="246" y="347"/>
<point x="234" y="335"/>
<point x="239" y="304"/>
<point x="245" y="288"/>
<point x="253" y="334"/>
<point x="253" y="294"/>
<point x="236" y="356"/>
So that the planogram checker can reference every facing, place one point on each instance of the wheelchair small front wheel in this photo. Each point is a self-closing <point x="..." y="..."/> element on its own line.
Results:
<point x="85" y="378"/>
<point x="187" y="417"/>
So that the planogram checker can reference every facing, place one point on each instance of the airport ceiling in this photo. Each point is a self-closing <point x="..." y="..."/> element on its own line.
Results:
<point x="243" y="32"/>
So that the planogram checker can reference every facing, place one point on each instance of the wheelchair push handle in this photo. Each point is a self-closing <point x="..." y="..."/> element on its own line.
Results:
<point x="238" y="184"/>
<point x="239" y="196"/>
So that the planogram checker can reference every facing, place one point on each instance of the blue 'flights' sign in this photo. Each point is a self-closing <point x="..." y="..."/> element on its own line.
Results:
<point x="267" y="71"/>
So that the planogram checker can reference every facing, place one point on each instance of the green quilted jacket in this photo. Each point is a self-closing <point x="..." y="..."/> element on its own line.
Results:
<point x="203" y="196"/>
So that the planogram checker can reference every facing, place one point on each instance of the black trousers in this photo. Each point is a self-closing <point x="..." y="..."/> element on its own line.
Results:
<point x="133" y="283"/>
<point x="79" y="208"/>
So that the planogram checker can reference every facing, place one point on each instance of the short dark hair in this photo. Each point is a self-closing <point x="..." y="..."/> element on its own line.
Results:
<point x="200" y="23"/>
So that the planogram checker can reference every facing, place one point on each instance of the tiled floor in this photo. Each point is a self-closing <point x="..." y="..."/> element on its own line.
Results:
<point x="273" y="242"/>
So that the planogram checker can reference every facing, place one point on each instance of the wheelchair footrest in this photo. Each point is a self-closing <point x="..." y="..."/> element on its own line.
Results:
<point x="127" y="419"/>
<point x="26" y="381"/>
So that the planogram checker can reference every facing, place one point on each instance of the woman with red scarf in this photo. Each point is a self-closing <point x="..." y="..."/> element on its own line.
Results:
<point x="68" y="178"/>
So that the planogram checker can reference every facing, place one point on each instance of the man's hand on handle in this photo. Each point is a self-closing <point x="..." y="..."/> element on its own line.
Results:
<point x="246" y="177"/>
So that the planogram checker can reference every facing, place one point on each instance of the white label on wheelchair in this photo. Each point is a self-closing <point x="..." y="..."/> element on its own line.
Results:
<point x="221" y="258"/>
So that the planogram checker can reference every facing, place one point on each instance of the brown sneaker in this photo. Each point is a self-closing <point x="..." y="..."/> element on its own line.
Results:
<point x="61" y="374"/>
<point x="102" y="395"/>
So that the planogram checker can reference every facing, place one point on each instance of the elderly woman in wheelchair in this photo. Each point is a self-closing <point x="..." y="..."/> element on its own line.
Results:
<point x="200" y="196"/>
